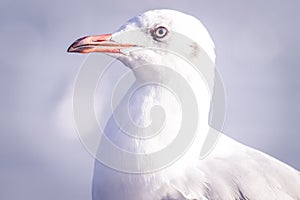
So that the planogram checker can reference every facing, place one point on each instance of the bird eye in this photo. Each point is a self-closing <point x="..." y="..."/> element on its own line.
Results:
<point x="160" y="32"/>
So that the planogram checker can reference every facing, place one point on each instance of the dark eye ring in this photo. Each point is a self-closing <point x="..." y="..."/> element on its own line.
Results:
<point x="160" y="32"/>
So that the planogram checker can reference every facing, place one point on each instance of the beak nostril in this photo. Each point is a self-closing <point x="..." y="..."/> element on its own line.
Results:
<point x="98" y="40"/>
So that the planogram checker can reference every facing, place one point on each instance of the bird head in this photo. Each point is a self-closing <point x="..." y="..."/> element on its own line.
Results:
<point x="146" y="38"/>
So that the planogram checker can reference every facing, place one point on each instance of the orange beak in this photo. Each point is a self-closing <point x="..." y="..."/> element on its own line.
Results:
<point x="97" y="43"/>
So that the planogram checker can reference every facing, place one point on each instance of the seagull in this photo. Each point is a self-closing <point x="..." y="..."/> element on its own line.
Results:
<point x="229" y="171"/>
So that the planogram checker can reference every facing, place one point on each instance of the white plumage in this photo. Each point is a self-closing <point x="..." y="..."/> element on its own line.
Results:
<point x="231" y="171"/>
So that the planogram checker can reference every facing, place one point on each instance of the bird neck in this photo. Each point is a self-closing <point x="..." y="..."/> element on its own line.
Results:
<point x="150" y="116"/>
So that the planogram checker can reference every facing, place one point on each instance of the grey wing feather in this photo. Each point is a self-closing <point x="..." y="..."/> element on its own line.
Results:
<point x="242" y="173"/>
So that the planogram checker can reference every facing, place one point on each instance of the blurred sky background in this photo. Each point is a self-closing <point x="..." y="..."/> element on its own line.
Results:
<point x="41" y="157"/>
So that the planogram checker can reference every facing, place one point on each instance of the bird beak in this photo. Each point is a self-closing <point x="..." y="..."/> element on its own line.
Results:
<point x="97" y="43"/>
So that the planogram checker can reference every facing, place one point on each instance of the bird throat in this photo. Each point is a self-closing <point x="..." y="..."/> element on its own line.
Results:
<point x="149" y="117"/>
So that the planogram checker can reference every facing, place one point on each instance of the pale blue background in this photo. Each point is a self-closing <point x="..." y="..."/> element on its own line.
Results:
<point x="41" y="158"/>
